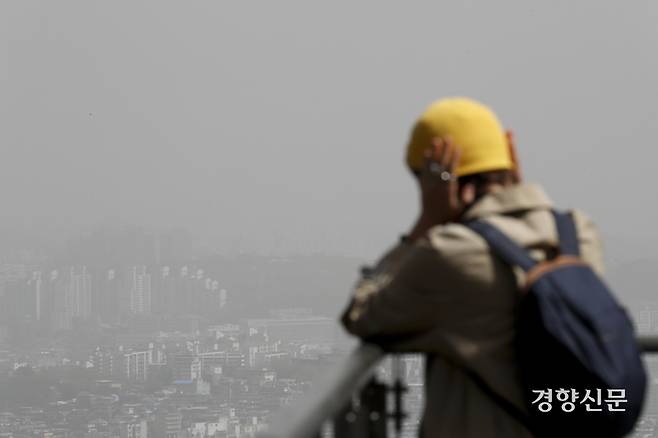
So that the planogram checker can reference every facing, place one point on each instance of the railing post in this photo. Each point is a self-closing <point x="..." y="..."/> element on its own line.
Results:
<point x="366" y="416"/>
<point x="347" y="423"/>
<point x="398" y="389"/>
<point x="374" y="400"/>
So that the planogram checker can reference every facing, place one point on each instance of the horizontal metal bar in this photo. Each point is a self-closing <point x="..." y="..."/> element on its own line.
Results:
<point x="305" y="418"/>
<point x="648" y="344"/>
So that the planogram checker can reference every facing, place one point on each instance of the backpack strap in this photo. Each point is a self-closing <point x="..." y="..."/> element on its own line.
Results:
<point x="509" y="407"/>
<point x="502" y="245"/>
<point x="567" y="234"/>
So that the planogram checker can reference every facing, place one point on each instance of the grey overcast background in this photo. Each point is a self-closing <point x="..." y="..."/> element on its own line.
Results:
<point x="279" y="127"/>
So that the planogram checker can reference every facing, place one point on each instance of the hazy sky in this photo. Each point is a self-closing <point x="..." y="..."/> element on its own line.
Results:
<point x="280" y="126"/>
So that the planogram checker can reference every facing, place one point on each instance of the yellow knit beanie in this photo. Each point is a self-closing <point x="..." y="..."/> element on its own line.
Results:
<point x="473" y="127"/>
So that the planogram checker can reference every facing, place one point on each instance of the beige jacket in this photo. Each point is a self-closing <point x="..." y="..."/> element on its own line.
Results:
<point x="448" y="297"/>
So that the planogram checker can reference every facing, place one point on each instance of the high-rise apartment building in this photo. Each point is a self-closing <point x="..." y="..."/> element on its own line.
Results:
<point x="140" y="292"/>
<point x="109" y="296"/>
<point x="136" y="365"/>
<point x="168" y="424"/>
<point x="78" y="294"/>
<point x="163" y="292"/>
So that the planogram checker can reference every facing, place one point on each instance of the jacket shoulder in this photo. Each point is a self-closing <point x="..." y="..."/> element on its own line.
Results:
<point x="461" y="254"/>
<point x="454" y="237"/>
<point x="589" y="237"/>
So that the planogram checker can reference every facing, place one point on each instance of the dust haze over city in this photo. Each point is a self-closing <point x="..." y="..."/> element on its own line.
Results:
<point x="251" y="156"/>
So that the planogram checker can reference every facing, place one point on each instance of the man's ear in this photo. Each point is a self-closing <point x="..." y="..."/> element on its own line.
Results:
<point x="516" y="171"/>
<point x="467" y="194"/>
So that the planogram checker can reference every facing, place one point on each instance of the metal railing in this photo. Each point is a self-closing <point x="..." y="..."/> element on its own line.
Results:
<point x="305" y="418"/>
<point x="353" y="401"/>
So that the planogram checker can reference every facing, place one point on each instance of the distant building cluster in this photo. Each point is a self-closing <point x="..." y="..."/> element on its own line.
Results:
<point x="128" y="334"/>
<point x="646" y="317"/>
<point x="53" y="298"/>
<point x="218" y="381"/>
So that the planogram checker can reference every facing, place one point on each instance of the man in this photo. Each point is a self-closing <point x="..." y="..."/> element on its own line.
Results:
<point x="442" y="292"/>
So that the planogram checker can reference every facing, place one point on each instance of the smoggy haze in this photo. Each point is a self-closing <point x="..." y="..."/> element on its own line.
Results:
<point x="280" y="127"/>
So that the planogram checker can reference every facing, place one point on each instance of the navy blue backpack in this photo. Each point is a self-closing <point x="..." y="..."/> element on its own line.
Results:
<point x="573" y="339"/>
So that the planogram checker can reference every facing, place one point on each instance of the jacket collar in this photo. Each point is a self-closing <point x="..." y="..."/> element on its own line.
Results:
<point x="518" y="197"/>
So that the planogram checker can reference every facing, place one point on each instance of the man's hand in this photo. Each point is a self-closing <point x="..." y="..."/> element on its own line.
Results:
<point x="438" y="187"/>
<point x="438" y="184"/>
